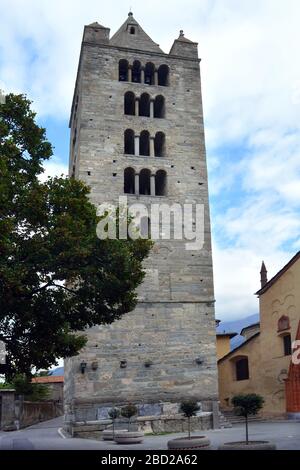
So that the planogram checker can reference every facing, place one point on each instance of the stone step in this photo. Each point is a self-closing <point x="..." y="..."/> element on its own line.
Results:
<point x="223" y="421"/>
<point x="232" y="418"/>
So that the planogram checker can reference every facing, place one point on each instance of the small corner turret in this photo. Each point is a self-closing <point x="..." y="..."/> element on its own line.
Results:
<point x="184" y="47"/>
<point x="96" y="33"/>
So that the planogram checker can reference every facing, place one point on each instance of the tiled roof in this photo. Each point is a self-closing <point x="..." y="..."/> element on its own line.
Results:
<point x="48" y="379"/>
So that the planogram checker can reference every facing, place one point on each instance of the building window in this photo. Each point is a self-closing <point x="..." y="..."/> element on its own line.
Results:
<point x="145" y="182"/>
<point x="123" y="70"/>
<point x="136" y="72"/>
<point x="144" y="105"/>
<point x="159" y="107"/>
<point x="132" y="30"/>
<point x="283" y="323"/>
<point x="242" y="369"/>
<point x="149" y="74"/>
<point x="160" y="144"/>
<point x="287" y="345"/>
<point x="145" y="144"/>
<point x="129" y="103"/>
<point x="163" y="75"/>
<point x="161" y="183"/>
<point x="129" y="181"/>
<point x="129" y="142"/>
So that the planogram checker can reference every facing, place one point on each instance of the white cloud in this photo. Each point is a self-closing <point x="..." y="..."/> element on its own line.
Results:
<point x="251" y="95"/>
<point x="54" y="167"/>
<point x="237" y="278"/>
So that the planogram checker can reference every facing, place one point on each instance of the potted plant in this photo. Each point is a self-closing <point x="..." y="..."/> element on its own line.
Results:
<point x="128" y="412"/>
<point x="129" y="437"/>
<point x="109" y="434"/>
<point x="246" y="405"/>
<point x="189" y="408"/>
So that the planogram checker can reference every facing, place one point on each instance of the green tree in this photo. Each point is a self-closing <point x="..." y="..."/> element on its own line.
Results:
<point x="56" y="276"/>
<point x="128" y="412"/>
<point x="30" y="391"/>
<point x="245" y="405"/>
<point x="114" y="414"/>
<point x="189" y="408"/>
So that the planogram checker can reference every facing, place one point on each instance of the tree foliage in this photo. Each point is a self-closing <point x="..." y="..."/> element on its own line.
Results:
<point x="30" y="391"/>
<point x="248" y="404"/>
<point x="189" y="408"/>
<point x="245" y="405"/>
<point x="114" y="413"/>
<point x="56" y="276"/>
<point x="129" y="411"/>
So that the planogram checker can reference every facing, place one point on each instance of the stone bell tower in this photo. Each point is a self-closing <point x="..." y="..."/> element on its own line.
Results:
<point x="137" y="131"/>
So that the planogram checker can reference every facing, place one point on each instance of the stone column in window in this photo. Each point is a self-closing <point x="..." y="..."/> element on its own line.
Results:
<point x="137" y="184"/>
<point x="137" y="103"/>
<point x="136" y="145"/>
<point x="129" y="74"/>
<point x="143" y="75"/>
<point x="152" y="108"/>
<point x="155" y="77"/>
<point x="152" y="181"/>
<point x="152" y="147"/>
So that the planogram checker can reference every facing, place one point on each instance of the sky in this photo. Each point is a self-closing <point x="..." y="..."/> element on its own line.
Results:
<point x="250" y="73"/>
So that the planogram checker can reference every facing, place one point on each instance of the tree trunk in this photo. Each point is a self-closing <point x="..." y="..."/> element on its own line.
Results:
<point x="189" y="426"/>
<point x="247" y="432"/>
<point x="113" y="428"/>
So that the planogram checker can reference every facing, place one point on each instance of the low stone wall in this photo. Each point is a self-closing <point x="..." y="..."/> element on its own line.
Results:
<point x="29" y="413"/>
<point x="16" y="413"/>
<point x="147" y="424"/>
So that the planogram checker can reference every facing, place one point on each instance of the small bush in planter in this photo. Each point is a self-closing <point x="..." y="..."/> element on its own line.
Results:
<point x="189" y="408"/>
<point x="114" y="414"/>
<point x="245" y="405"/>
<point x="128" y="412"/>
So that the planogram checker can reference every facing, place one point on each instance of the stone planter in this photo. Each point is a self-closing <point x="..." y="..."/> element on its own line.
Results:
<point x="253" y="445"/>
<point x="196" y="442"/>
<point x="108" y="434"/>
<point x="129" y="437"/>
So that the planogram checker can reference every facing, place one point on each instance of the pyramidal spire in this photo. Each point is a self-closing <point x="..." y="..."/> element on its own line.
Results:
<point x="263" y="275"/>
<point x="132" y="36"/>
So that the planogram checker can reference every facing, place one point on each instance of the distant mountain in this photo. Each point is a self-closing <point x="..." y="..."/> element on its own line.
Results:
<point x="58" y="371"/>
<point x="236" y="326"/>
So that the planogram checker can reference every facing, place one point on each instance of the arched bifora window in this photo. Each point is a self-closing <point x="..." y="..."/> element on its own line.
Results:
<point x="159" y="107"/>
<point x="161" y="183"/>
<point x="129" y="103"/>
<point x="149" y="73"/>
<point x="129" y="142"/>
<point x="144" y="105"/>
<point x="136" y="71"/>
<point x="160" y="144"/>
<point x="145" y="188"/>
<point x="123" y="70"/>
<point x="145" y="144"/>
<point x="163" y="75"/>
<point x="129" y="181"/>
